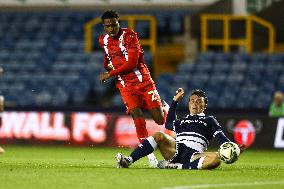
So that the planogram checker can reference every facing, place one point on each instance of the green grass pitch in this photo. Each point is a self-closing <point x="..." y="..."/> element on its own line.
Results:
<point x="45" y="167"/>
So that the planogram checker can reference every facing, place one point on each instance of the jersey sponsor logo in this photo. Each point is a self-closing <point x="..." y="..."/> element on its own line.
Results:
<point x="193" y="121"/>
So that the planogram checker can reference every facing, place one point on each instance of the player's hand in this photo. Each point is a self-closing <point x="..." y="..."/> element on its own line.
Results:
<point x="104" y="76"/>
<point x="179" y="94"/>
<point x="110" y="67"/>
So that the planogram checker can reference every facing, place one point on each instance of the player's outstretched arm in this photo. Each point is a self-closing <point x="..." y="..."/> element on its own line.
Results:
<point x="172" y="111"/>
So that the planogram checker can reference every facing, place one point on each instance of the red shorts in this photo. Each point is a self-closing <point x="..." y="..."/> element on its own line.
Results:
<point x="143" y="95"/>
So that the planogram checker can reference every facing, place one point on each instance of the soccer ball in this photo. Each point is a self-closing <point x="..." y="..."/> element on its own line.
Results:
<point x="229" y="152"/>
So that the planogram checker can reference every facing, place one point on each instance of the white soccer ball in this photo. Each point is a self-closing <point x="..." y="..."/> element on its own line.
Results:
<point x="229" y="152"/>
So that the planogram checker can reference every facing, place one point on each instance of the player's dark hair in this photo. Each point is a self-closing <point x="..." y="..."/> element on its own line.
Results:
<point x="200" y="93"/>
<point x="109" y="14"/>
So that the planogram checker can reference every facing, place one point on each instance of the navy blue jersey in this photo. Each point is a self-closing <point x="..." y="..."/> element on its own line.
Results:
<point x="194" y="131"/>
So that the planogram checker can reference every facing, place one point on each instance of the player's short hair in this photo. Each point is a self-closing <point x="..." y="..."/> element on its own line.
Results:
<point x="109" y="14"/>
<point x="200" y="93"/>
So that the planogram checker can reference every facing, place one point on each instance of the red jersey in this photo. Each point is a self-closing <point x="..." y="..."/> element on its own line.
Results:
<point x="125" y="54"/>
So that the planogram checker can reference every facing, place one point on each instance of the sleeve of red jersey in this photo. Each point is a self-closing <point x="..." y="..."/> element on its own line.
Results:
<point x="105" y="56"/>
<point x="132" y="46"/>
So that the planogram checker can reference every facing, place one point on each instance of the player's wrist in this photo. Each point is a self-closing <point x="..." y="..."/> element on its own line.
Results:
<point x="175" y="100"/>
<point x="111" y="73"/>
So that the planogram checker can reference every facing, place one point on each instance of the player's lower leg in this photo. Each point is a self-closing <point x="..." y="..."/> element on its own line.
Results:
<point x="141" y="130"/>
<point x="142" y="134"/>
<point x="144" y="149"/>
<point x="196" y="164"/>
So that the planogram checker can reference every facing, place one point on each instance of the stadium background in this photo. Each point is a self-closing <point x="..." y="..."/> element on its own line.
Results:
<point x="51" y="61"/>
<point x="61" y="127"/>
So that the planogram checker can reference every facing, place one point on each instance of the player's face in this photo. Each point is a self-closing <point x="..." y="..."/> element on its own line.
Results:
<point x="111" y="27"/>
<point x="196" y="104"/>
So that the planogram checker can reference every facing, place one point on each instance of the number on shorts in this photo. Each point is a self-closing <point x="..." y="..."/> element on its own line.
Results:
<point x="154" y="94"/>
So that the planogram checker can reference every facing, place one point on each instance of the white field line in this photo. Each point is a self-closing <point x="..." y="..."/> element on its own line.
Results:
<point x="256" y="183"/>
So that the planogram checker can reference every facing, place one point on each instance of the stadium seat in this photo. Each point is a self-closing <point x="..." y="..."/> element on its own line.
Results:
<point x="44" y="52"/>
<point x="185" y="68"/>
<point x="240" y="57"/>
<point x="205" y="57"/>
<point x="117" y="100"/>
<point x="203" y="67"/>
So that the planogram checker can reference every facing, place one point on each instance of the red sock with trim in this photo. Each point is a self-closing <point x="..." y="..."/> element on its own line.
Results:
<point x="141" y="130"/>
<point x="165" y="110"/>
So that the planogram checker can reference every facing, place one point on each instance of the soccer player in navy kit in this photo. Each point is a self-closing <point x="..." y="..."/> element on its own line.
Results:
<point x="193" y="133"/>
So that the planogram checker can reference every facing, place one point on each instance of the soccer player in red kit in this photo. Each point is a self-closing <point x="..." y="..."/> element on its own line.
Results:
<point x="124" y="60"/>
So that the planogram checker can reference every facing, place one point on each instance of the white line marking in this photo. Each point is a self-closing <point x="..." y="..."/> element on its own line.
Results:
<point x="226" y="185"/>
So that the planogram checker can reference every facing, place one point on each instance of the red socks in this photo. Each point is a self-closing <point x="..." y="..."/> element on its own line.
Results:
<point x="141" y="129"/>
<point x="165" y="110"/>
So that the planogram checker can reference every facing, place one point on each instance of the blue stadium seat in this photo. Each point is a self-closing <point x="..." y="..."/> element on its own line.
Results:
<point x="262" y="100"/>
<point x="218" y="78"/>
<point x="184" y="68"/>
<point x="256" y="67"/>
<point x="205" y="57"/>
<point x="226" y="100"/>
<point x="176" y="24"/>
<point x="117" y="100"/>
<point x="213" y="96"/>
<point x="240" y="57"/>
<point x="142" y="28"/>
<point x="259" y="57"/>
<point x="205" y="67"/>
<point x="198" y="80"/>
<point x="276" y="58"/>
<point x="222" y="57"/>
<point x="221" y="67"/>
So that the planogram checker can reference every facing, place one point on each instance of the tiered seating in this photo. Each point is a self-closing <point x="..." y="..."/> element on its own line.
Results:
<point x="42" y="54"/>
<point x="230" y="80"/>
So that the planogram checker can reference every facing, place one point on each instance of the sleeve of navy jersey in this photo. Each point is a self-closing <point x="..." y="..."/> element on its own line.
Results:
<point x="217" y="131"/>
<point x="171" y="121"/>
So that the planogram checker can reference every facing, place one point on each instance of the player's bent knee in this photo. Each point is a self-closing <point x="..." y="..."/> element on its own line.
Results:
<point x="159" y="120"/>
<point x="159" y="136"/>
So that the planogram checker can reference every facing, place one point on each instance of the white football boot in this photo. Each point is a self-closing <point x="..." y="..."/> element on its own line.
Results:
<point x="153" y="162"/>
<point x="122" y="161"/>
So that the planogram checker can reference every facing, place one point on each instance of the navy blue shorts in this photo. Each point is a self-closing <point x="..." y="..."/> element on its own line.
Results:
<point x="183" y="154"/>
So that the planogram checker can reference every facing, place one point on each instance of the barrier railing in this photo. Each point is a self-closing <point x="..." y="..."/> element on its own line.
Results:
<point x="227" y="41"/>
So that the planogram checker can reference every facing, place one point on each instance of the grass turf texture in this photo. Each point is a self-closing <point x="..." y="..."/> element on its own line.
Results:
<point x="73" y="167"/>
